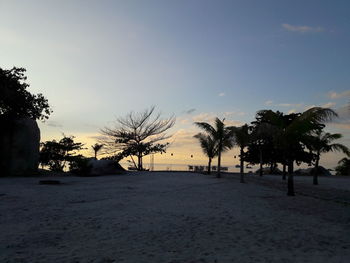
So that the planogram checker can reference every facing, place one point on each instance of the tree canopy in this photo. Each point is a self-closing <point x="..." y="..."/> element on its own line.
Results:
<point x="56" y="154"/>
<point x="16" y="102"/>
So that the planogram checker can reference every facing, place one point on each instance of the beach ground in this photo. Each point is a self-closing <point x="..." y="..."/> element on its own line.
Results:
<point x="174" y="217"/>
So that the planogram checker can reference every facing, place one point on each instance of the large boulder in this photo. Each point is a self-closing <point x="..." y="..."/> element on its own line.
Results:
<point x="20" y="142"/>
<point x="104" y="167"/>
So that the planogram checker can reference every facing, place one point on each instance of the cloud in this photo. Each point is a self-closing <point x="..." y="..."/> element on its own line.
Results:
<point x="307" y="107"/>
<point x="343" y="120"/>
<point x="233" y="123"/>
<point x="268" y="102"/>
<point x="289" y="105"/>
<point x="328" y="105"/>
<point x="336" y="95"/>
<point x="302" y="29"/>
<point x="183" y="137"/>
<point x="97" y="137"/>
<point x="221" y="94"/>
<point x="344" y="126"/>
<point x="210" y="118"/>
<point x="204" y="117"/>
<point x="233" y="113"/>
<point x="190" y="111"/>
<point x="54" y="124"/>
<point x="183" y="120"/>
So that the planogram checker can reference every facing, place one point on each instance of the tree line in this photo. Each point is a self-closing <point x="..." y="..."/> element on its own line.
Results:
<point x="272" y="138"/>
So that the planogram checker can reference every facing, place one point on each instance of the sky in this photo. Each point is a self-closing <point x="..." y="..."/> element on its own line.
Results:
<point x="98" y="60"/>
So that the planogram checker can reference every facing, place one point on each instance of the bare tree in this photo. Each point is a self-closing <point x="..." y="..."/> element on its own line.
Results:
<point x="137" y="134"/>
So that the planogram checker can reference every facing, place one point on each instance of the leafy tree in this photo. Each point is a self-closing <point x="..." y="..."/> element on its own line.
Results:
<point x="242" y="139"/>
<point x="222" y="135"/>
<point x="343" y="167"/>
<point x="137" y="134"/>
<point x="16" y="102"/>
<point x="209" y="147"/>
<point x="96" y="147"/>
<point x="56" y="154"/>
<point x="321" y="142"/>
<point x="291" y="134"/>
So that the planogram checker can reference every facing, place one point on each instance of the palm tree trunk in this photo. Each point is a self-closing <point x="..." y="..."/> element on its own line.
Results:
<point x="261" y="162"/>
<point x="139" y="160"/>
<point x="219" y="159"/>
<point x="290" y="179"/>
<point x="209" y="165"/>
<point x="242" y="165"/>
<point x="315" y="174"/>
<point x="95" y="155"/>
<point x="284" y="171"/>
<point x="219" y="165"/>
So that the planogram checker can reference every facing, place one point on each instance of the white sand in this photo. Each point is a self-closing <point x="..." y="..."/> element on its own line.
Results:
<point x="168" y="217"/>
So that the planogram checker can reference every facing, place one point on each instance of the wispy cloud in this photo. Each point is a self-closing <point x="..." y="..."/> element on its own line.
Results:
<point x="268" y="103"/>
<point x="210" y="117"/>
<point x="190" y="111"/>
<point x="302" y="29"/>
<point x="233" y="113"/>
<point x="204" y="117"/>
<point x="54" y="124"/>
<point x="221" y="94"/>
<point x="328" y="105"/>
<point x="343" y="120"/>
<point x="338" y="95"/>
<point x="289" y="105"/>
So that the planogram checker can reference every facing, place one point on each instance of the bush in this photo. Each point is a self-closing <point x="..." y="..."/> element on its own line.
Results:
<point x="79" y="165"/>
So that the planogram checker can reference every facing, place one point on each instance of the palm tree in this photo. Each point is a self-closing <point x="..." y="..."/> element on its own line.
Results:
<point x="343" y="167"/>
<point x="96" y="147"/>
<point x="311" y="120"/>
<point x="322" y="143"/>
<point x="291" y="133"/>
<point x="209" y="147"/>
<point x="222" y="135"/>
<point x="242" y="139"/>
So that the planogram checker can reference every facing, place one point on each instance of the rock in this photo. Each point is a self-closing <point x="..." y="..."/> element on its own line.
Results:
<point x="20" y="142"/>
<point x="266" y="170"/>
<point x="309" y="171"/>
<point x="102" y="167"/>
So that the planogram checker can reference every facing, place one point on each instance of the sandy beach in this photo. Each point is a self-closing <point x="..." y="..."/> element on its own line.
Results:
<point x="174" y="217"/>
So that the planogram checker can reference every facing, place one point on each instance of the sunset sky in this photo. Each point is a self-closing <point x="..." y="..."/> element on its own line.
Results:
<point x="195" y="59"/>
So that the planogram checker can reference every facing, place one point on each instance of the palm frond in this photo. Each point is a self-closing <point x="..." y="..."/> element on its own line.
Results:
<point x="337" y="147"/>
<point x="206" y="127"/>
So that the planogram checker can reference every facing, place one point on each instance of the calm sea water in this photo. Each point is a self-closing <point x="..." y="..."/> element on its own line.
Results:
<point x="183" y="167"/>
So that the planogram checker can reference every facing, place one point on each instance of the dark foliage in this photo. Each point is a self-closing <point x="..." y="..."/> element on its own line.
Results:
<point x="56" y="155"/>
<point x="16" y="102"/>
<point x="343" y="167"/>
<point x="79" y="165"/>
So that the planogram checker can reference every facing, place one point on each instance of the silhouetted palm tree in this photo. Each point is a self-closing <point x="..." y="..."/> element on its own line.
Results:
<point x="296" y="131"/>
<point x="322" y="143"/>
<point x="222" y="135"/>
<point x="343" y="167"/>
<point x="242" y="139"/>
<point x="209" y="147"/>
<point x="96" y="147"/>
